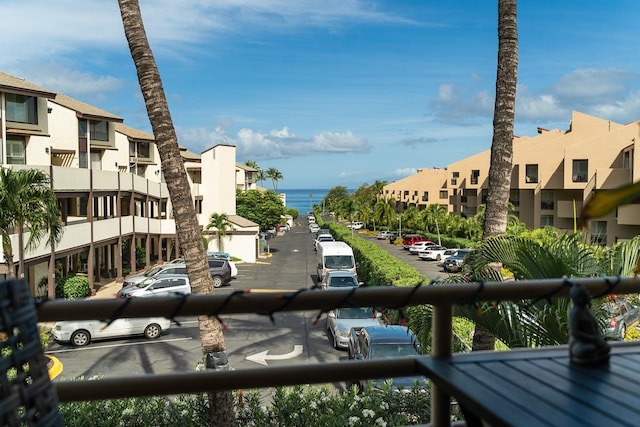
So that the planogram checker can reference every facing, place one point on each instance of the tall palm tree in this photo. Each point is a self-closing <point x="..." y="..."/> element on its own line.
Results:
<point x="495" y="219"/>
<point x="27" y="202"/>
<point x="274" y="175"/>
<point x="187" y="228"/>
<point x="261" y="176"/>
<point x="221" y="224"/>
<point x="384" y="211"/>
<point x="252" y="164"/>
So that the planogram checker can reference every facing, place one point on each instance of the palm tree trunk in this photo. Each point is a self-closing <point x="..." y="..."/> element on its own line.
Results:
<point x="495" y="218"/>
<point x="187" y="227"/>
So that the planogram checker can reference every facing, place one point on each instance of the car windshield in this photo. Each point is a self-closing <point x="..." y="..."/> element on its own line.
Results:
<point x="144" y="283"/>
<point x="153" y="271"/>
<point x="342" y="282"/>
<point x="390" y="351"/>
<point x="355" y="313"/>
<point x="338" y="261"/>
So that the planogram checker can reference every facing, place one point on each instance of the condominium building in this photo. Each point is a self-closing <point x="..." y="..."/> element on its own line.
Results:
<point x="110" y="188"/>
<point x="554" y="173"/>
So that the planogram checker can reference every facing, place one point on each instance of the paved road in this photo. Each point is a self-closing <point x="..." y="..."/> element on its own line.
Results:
<point x="293" y="339"/>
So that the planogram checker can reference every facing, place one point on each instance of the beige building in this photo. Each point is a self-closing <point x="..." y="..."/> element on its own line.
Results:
<point x="109" y="184"/>
<point x="554" y="173"/>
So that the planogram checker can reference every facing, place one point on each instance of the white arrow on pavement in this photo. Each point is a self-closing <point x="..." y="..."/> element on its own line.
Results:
<point x="262" y="357"/>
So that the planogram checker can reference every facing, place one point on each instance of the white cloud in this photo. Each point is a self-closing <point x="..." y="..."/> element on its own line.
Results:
<point x="591" y="86"/>
<point x="277" y="144"/>
<point x="405" y="172"/>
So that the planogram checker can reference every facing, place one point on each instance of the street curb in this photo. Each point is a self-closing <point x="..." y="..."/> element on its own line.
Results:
<point x="56" y="368"/>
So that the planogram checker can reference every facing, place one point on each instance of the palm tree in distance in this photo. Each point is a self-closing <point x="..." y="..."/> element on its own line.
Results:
<point x="274" y="175"/>
<point x="27" y="202"/>
<point x="252" y="164"/>
<point x="384" y="211"/>
<point x="261" y="176"/>
<point x="220" y="223"/>
<point x="188" y="230"/>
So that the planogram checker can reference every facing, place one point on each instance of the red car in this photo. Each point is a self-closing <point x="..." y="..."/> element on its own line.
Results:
<point x="410" y="239"/>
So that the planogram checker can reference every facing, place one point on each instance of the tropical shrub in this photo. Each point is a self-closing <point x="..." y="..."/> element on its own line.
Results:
<point x="72" y="287"/>
<point x="299" y="406"/>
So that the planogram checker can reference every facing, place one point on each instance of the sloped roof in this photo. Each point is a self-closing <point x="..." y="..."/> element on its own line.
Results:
<point x="241" y="221"/>
<point x="12" y="84"/>
<point x="132" y="133"/>
<point x="245" y="167"/>
<point x="85" y="110"/>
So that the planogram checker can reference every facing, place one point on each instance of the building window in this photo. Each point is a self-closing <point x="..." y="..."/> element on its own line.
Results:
<point x="531" y="174"/>
<point x="425" y="196"/>
<point x="483" y="196"/>
<point x="627" y="159"/>
<point x="444" y="194"/>
<point x="454" y="178"/>
<point x="99" y="131"/>
<point x="514" y="198"/>
<point x="16" y="151"/>
<point x="406" y="193"/>
<point x="546" y="220"/>
<point x="546" y="200"/>
<point x="96" y="160"/>
<point x="599" y="232"/>
<point x="22" y="109"/>
<point x="475" y="174"/>
<point x="580" y="170"/>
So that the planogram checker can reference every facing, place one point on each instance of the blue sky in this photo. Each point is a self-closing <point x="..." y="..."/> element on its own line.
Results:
<point x="335" y="92"/>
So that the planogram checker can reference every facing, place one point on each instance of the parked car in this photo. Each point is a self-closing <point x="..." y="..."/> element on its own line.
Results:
<point x="219" y="267"/>
<point x="622" y="316"/>
<point x="356" y="225"/>
<point x="420" y="246"/>
<point x="160" y="286"/>
<point x="174" y="267"/>
<point x="311" y="219"/>
<point x="323" y="231"/>
<point x="384" y="342"/>
<point x="313" y="227"/>
<point x="453" y="264"/>
<point x="448" y="253"/>
<point x="432" y="253"/>
<point x="410" y="239"/>
<point x="340" y="279"/>
<point x="227" y="256"/>
<point x="383" y="235"/>
<point x="322" y="238"/>
<point x="341" y="320"/>
<point x="81" y="332"/>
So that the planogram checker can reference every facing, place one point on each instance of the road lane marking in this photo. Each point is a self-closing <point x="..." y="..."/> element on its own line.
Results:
<point x="97" y="347"/>
<point x="262" y="357"/>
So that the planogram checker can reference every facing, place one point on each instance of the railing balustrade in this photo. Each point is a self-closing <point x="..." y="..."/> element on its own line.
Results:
<point x="442" y="297"/>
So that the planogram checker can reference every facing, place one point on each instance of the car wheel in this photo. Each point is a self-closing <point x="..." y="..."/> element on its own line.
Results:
<point x="623" y="331"/>
<point x="217" y="281"/>
<point x="80" y="338"/>
<point x="152" y="331"/>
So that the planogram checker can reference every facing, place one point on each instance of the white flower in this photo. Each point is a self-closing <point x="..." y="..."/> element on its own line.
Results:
<point x="127" y="411"/>
<point x="381" y="422"/>
<point x="368" y="413"/>
<point x="313" y="405"/>
<point x="353" y="421"/>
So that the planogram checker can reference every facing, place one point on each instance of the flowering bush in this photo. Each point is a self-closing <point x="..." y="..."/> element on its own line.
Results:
<point x="298" y="406"/>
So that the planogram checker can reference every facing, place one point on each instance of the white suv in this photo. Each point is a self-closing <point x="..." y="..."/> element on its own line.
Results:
<point x="356" y="225"/>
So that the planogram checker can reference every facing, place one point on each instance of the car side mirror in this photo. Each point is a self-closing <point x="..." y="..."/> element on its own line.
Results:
<point x="361" y="284"/>
<point x="378" y="314"/>
<point x="332" y="314"/>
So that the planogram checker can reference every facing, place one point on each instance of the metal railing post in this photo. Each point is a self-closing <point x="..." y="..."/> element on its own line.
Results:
<point x="441" y="348"/>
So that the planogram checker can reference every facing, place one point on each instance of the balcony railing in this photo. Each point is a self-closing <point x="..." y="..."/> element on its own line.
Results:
<point x="442" y="297"/>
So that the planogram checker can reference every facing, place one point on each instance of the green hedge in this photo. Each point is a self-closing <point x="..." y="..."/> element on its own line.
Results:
<point x="376" y="267"/>
<point x="72" y="287"/>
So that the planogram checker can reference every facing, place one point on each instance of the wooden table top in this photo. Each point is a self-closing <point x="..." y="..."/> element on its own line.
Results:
<point x="539" y="387"/>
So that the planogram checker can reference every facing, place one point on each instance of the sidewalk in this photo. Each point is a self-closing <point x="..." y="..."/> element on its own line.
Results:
<point x="107" y="290"/>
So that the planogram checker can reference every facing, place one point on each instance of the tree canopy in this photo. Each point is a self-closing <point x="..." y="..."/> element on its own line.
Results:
<point x="264" y="208"/>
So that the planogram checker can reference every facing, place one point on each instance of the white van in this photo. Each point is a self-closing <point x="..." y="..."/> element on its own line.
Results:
<point x="334" y="256"/>
<point x="159" y="286"/>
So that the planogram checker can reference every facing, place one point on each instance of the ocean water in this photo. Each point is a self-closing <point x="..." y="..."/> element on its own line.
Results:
<point x="302" y="199"/>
